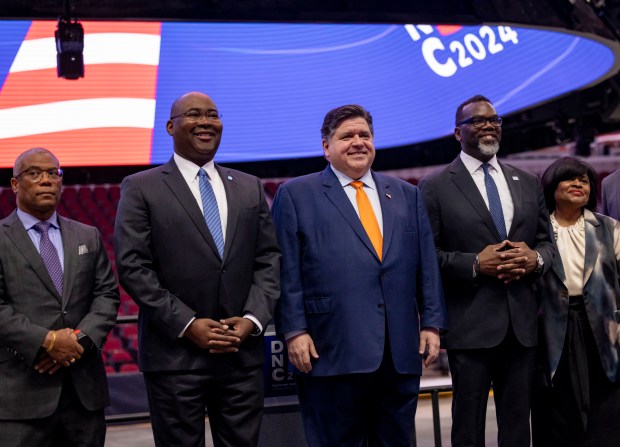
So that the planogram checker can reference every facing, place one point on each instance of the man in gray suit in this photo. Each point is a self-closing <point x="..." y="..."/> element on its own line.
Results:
<point x="610" y="192"/>
<point x="196" y="249"/>
<point x="492" y="235"/>
<point x="58" y="302"/>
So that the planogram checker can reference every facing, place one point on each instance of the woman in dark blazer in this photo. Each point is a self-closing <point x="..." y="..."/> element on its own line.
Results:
<point x="579" y="404"/>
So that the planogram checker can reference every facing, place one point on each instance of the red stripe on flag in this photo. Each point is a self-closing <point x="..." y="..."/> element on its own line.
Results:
<point x="40" y="29"/>
<point x="86" y="147"/>
<point x="100" y="81"/>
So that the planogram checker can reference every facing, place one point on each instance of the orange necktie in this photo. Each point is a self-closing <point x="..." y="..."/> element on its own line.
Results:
<point x="368" y="218"/>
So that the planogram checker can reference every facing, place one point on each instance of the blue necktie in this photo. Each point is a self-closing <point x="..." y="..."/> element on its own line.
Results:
<point x="211" y="211"/>
<point x="495" y="204"/>
<point x="50" y="255"/>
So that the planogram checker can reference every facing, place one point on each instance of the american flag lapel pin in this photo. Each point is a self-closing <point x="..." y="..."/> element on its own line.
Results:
<point x="515" y="177"/>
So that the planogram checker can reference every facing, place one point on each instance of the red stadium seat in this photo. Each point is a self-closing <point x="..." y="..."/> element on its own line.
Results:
<point x="112" y="344"/>
<point x="129" y="367"/>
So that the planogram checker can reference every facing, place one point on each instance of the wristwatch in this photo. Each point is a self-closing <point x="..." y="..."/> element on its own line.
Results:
<point x="83" y="339"/>
<point x="540" y="263"/>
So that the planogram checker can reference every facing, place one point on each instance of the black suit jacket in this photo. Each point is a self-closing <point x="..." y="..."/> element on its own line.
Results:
<point x="30" y="307"/>
<point x="169" y="264"/>
<point x="481" y="309"/>
<point x="610" y="192"/>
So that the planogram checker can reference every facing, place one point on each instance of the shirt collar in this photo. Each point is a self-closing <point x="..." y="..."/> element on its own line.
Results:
<point x="28" y="220"/>
<point x="473" y="164"/>
<point x="344" y="179"/>
<point x="189" y="169"/>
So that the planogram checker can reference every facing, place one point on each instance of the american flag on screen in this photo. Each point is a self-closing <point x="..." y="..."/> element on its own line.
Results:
<point x="104" y="118"/>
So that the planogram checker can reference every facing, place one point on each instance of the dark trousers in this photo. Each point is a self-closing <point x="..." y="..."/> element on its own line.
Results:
<point x="582" y="408"/>
<point x="360" y="410"/>
<point x="509" y="368"/>
<point x="71" y="425"/>
<point x="233" y="396"/>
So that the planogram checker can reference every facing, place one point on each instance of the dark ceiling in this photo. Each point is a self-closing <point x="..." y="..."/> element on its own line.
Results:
<point x="578" y="116"/>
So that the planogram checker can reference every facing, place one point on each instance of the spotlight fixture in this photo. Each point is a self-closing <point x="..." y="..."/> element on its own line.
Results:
<point x="69" y="46"/>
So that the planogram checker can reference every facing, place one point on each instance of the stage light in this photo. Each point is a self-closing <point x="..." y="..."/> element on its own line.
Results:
<point x="69" y="47"/>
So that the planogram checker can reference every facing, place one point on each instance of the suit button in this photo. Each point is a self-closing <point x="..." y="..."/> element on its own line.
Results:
<point x="380" y="306"/>
<point x="64" y="312"/>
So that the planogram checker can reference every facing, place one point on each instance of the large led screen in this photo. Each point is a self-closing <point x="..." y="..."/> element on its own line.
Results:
<point x="273" y="83"/>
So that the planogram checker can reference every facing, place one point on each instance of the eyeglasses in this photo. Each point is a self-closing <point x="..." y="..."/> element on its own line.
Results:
<point x="35" y="175"/>
<point x="196" y="114"/>
<point x="480" y="121"/>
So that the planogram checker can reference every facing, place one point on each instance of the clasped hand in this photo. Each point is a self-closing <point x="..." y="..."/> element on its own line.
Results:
<point x="508" y="261"/>
<point x="219" y="337"/>
<point x="65" y="351"/>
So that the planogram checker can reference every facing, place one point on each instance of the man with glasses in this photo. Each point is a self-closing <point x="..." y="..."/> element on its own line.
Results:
<point x="491" y="229"/>
<point x="58" y="302"/>
<point x="196" y="249"/>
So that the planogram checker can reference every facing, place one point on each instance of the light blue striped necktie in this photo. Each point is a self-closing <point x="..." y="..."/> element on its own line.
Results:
<point x="211" y="211"/>
<point x="495" y="204"/>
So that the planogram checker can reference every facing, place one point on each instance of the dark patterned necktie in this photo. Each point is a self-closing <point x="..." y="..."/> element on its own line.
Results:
<point x="210" y="210"/>
<point x="50" y="255"/>
<point x="495" y="204"/>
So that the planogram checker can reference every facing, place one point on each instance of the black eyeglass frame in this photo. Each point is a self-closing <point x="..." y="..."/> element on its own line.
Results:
<point x="495" y="121"/>
<point x="215" y="117"/>
<point x="54" y="174"/>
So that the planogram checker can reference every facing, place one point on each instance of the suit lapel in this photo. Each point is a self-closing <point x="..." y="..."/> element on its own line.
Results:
<point x="463" y="180"/>
<point x="594" y="237"/>
<point x="173" y="178"/>
<point x="335" y="193"/>
<point x="388" y="209"/>
<point x="70" y="245"/>
<point x="557" y="267"/>
<point x="514" y="186"/>
<point x="18" y="235"/>
<point x="232" y="203"/>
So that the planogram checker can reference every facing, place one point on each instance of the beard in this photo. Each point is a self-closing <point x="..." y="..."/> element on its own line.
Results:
<point x="489" y="149"/>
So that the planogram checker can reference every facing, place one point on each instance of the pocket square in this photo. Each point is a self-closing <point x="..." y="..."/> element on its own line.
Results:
<point x="82" y="249"/>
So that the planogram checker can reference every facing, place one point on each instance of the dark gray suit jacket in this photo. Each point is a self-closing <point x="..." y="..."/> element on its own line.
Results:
<point x="481" y="309"/>
<point x="610" y="191"/>
<point x="169" y="264"/>
<point x="30" y="307"/>
<point x="601" y="293"/>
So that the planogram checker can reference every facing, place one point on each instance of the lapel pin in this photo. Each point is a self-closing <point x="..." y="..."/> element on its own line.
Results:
<point x="230" y="177"/>
<point x="388" y="195"/>
<point x="514" y="177"/>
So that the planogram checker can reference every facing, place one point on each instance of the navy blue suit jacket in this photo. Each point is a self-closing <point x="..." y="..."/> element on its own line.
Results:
<point x="335" y="287"/>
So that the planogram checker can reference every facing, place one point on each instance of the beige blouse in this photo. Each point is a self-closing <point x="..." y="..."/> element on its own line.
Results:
<point x="571" y="243"/>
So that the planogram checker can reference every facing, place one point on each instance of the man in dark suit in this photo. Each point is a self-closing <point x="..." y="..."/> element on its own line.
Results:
<point x="491" y="229"/>
<point x="610" y="192"/>
<point x="196" y="249"/>
<point x="359" y="280"/>
<point x="58" y="301"/>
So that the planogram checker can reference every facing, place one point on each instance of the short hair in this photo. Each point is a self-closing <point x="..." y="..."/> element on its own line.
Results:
<point x="567" y="168"/>
<point x="334" y="117"/>
<point x="17" y="166"/>
<point x="475" y="98"/>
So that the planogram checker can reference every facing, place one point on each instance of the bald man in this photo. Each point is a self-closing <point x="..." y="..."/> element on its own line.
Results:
<point x="196" y="249"/>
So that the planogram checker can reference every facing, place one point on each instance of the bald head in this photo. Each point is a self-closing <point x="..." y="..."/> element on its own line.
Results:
<point x="19" y="164"/>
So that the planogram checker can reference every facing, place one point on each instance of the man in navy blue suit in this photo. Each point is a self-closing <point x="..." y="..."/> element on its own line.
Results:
<point x="355" y="294"/>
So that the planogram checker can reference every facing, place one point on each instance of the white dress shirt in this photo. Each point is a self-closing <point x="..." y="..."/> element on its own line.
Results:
<point x="370" y="188"/>
<point x="474" y="166"/>
<point x="189" y="171"/>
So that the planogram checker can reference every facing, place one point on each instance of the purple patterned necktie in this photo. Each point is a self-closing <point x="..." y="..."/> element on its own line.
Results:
<point x="50" y="255"/>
